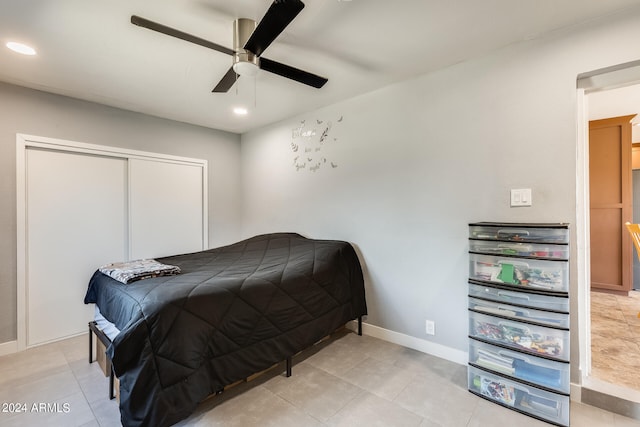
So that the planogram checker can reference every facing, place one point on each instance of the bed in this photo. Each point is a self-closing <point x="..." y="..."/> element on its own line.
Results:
<point x="230" y="312"/>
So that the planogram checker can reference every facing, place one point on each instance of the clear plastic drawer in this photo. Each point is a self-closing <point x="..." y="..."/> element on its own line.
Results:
<point x="549" y="318"/>
<point x="551" y="374"/>
<point x="530" y="400"/>
<point x="538" y="233"/>
<point x="533" y="339"/>
<point x="541" y="250"/>
<point x="548" y="302"/>
<point x="525" y="273"/>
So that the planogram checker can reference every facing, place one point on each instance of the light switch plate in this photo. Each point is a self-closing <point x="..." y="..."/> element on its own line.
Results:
<point x="521" y="197"/>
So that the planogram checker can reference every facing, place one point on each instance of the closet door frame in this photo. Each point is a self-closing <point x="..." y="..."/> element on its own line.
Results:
<point x="25" y="142"/>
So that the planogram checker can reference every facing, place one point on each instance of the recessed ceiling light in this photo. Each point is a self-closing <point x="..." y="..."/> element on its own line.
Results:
<point x="240" y="111"/>
<point x="21" y="48"/>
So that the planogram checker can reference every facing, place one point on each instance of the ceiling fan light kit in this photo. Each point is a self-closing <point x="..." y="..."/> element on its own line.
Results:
<point x="245" y="63"/>
<point x="249" y="42"/>
<point x="240" y="111"/>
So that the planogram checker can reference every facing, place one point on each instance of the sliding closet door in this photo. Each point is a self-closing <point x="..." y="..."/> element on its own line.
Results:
<point x="166" y="208"/>
<point x="81" y="206"/>
<point x="76" y="221"/>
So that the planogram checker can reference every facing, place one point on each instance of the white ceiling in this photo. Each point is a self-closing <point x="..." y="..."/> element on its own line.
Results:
<point x="90" y="50"/>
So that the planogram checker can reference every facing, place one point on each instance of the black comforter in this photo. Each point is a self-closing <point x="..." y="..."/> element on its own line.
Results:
<point x="233" y="311"/>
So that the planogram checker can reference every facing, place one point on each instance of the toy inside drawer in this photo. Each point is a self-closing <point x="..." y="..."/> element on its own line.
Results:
<point x="519" y="297"/>
<point x="528" y="314"/>
<point x="515" y="233"/>
<point x="540" y="250"/>
<point x="533" y="339"/>
<point x="546" y="373"/>
<point x="528" y="399"/>
<point x="544" y="275"/>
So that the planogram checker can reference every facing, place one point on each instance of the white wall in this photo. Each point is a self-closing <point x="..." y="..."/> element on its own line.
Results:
<point x="419" y="160"/>
<point x="38" y="113"/>
<point x="623" y="101"/>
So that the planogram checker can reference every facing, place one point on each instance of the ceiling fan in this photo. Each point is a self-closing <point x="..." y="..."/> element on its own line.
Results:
<point x="249" y="42"/>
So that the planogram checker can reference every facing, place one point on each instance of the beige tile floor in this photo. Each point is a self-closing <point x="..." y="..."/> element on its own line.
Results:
<point x="615" y="338"/>
<point x="346" y="381"/>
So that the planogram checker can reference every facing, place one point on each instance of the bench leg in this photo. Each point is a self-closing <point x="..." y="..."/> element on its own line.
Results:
<point x="288" y="363"/>
<point x="90" y="344"/>
<point x="112" y="394"/>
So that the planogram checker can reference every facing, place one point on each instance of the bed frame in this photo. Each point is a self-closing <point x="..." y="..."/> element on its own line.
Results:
<point x="104" y="339"/>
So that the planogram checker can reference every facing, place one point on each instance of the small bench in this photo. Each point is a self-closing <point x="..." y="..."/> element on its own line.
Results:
<point x="93" y="329"/>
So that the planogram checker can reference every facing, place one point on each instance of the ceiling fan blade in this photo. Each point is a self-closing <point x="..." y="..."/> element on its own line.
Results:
<point x="143" y="22"/>
<point x="292" y="73"/>
<point x="226" y="82"/>
<point x="278" y="16"/>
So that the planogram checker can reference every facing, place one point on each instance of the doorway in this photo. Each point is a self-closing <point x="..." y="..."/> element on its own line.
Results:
<point x="609" y="98"/>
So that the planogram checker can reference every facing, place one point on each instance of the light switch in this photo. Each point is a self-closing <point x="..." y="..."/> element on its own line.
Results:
<point x="521" y="197"/>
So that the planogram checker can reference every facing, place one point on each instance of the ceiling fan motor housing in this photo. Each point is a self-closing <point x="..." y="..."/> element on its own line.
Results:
<point x="245" y="63"/>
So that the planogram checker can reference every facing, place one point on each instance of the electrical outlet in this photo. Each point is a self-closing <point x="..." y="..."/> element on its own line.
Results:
<point x="430" y="327"/>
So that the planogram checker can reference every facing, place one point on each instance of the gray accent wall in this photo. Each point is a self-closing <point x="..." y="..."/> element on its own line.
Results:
<point x="417" y="161"/>
<point x="38" y="113"/>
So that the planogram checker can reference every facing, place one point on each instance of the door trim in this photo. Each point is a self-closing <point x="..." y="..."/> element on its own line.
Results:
<point x="583" y="244"/>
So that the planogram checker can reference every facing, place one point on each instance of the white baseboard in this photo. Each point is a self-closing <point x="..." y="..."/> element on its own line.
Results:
<point x="434" y="349"/>
<point x="575" y="392"/>
<point x="8" y="348"/>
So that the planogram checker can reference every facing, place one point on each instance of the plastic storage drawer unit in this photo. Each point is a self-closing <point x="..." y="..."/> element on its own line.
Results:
<point x="499" y="293"/>
<point x="525" y="337"/>
<point x="545" y="373"/>
<point x="551" y="276"/>
<point x="531" y="400"/>
<point x="519" y="317"/>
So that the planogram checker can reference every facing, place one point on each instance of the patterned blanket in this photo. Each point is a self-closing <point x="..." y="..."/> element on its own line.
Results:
<point x="131" y="271"/>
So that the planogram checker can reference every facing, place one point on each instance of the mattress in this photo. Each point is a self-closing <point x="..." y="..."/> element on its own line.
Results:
<point x="104" y="325"/>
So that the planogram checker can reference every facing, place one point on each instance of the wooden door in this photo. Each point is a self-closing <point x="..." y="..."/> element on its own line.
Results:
<point x="610" y="195"/>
